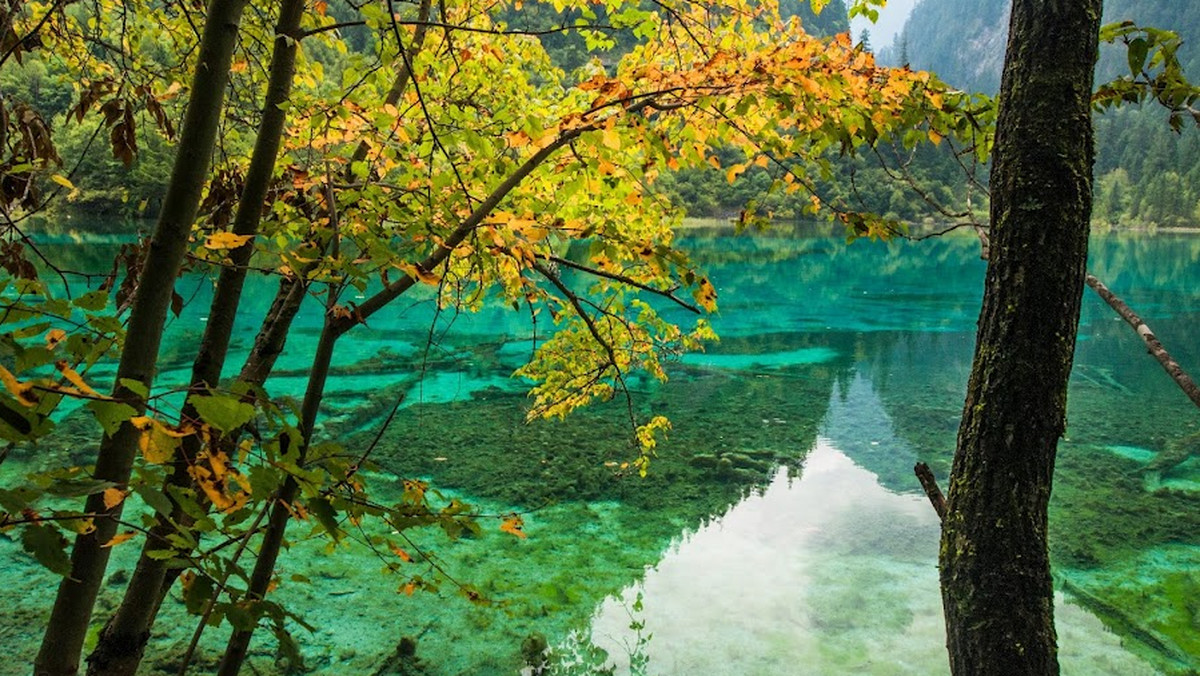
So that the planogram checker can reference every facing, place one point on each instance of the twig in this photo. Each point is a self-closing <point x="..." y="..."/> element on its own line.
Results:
<point x="929" y="483"/>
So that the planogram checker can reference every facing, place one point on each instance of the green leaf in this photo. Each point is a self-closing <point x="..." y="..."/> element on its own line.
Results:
<point x="198" y="594"/>
<point x="17" y="499"/>
<point x="92" y="301"/>
<point x="224" y="412"/>
<point x="110" y="414"/>
<point x="326" y="516"/>
<point x="1138" y="49"/>
<point x="48" y="546"/>
<point x="155" y="498"/>
<point x="136" y="386"/>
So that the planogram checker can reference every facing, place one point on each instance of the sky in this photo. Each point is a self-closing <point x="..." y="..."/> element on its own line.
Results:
<point x="891" y="21"/>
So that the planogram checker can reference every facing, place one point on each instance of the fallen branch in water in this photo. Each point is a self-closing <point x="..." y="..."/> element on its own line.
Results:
<point x="1153" y="345"/>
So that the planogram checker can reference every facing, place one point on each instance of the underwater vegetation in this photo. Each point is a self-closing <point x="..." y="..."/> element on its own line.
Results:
<point x="829" y="355"/>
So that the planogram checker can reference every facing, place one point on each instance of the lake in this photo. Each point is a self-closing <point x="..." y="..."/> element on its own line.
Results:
<point x="780" y="528"/>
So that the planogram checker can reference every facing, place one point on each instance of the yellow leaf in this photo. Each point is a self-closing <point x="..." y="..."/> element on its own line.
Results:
<point x="158" y="442"/>
<point x="54" y="337"/>
<point x="706" y="295"/>
<point x="226" y="240"/>
<point x="75" y="379"/>
<point x="63" y="181"/>
<point x="119" y="538"/>
<point x="611" y="139"/>
<point x="935" y="136"/>
<point x="16" y="388"/>
<point x="113" y="497"/>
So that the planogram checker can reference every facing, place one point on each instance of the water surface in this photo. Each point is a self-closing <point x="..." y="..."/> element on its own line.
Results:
<point x="781" y="528"/>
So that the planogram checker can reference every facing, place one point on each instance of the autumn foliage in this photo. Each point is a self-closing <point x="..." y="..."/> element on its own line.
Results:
<point x="451" y="156"/>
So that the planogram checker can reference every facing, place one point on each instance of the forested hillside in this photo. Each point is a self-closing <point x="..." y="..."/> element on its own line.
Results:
<point x="1145" y="173"/>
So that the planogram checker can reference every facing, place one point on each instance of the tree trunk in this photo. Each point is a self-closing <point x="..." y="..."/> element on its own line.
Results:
<point x="268" y="552"/>
<point x="123" y="640"/>
<point x="995" y="569"/>
<point x="63" y="640"/>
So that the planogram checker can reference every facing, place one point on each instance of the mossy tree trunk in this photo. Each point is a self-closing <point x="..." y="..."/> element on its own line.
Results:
<point x="995" y="568"/>
<point x="72" y="611"/>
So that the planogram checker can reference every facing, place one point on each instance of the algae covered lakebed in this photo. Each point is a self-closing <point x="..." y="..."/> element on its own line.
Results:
<point x="779" y="530"/>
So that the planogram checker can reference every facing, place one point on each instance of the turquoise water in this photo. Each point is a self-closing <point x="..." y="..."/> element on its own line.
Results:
<point x="780" y="529"/>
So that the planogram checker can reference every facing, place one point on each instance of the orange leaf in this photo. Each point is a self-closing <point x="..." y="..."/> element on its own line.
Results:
<point x="113" y="497"/>
<point x="513" y="526"/>
<point x="54" y="337"/>
<point x="400" y="552"/>
<point x="119" y="538"/>
<point x="516" y="139"/>
<point x="408" y="589"/>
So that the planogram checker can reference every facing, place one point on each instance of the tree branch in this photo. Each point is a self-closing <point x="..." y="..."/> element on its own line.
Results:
<point x="1156" y="349"/>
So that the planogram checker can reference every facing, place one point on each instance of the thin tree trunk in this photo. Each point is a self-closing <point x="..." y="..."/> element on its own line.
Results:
<point x="123" y="641"/>
<point x="129" y="630"/>
<point x="69" y="618"/>
<point x="272" y="336"/>
<point x="334" y="328"/>
<point x="995" y="569"/>
<point x="269" y="342"/>
<point x="268" y="552"/>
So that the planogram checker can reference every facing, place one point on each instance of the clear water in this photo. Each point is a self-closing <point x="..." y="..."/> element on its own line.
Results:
<point x="781" y="529"/>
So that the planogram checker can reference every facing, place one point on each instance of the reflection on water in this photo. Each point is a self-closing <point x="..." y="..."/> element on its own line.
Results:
<point x="781" y="529"/>
<point x="827" y="573"/>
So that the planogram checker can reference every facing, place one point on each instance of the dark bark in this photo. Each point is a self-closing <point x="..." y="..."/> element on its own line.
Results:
<point x="932" y="490"/>
<point x="123" y="641"/>
<point x="63" y="641"/>
<point x="995" y="568"/>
